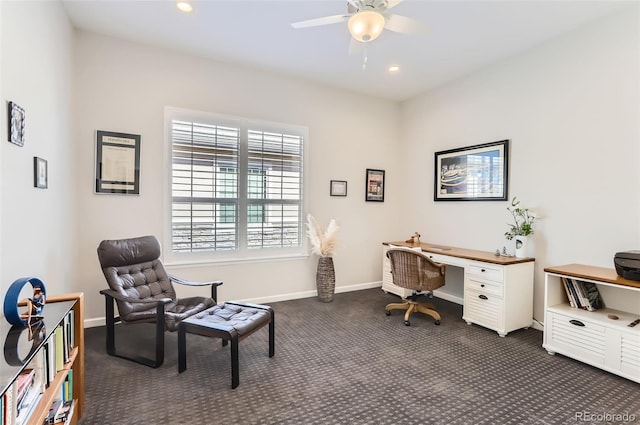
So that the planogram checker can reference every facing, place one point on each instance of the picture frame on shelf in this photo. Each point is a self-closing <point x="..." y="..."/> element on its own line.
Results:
<point x="338" y="188"/>
<point x="374" y="190"/>
<point x="16" y="124"/>
<point x="117" y="163"/>
<point x="473" y="173"/>
<point x="40" y="173"/>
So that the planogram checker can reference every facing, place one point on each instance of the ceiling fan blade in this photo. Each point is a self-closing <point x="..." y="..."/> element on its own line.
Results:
<point x="404" y="25"/>
<point x="327" y="20"/>
<point x="357" y="4"/>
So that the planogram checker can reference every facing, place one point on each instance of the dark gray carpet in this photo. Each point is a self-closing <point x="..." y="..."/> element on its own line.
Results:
<point x="346" y="362"/>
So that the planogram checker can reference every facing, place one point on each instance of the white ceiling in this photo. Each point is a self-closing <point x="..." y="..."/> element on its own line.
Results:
<point x="461" y="36"/>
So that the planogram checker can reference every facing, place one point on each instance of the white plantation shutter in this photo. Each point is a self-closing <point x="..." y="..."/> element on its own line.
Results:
<point x="277" y="160"/>
<point x="235" y="187"/>
<point x="204" y="187"/>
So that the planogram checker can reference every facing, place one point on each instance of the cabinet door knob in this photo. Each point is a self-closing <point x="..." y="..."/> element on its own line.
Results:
<point x="483" y="297"/>
<point x="482" y="285"/>
<point x="482" y="270"/>
<point x="576" y="322"/>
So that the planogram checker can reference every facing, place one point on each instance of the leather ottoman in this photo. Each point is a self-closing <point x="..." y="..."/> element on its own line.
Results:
<point x="231" y="321"/>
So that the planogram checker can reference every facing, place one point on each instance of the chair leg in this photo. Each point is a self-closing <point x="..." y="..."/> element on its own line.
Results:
<point x="159" y="336"/>
<point x="428" y="311"/>
<point x="272" y="335"/>
<point x="182" y="349"/>
<point x="397" y="306"/>
<point x="111" y="325"/>
<point x="407" y="315"/>
<point x="235" y="373"/>
<point x="111" y="320"/>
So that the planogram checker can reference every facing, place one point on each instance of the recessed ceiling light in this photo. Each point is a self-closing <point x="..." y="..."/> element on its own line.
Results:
<point x="184" y="6"/>
<point x="394" y="68"/>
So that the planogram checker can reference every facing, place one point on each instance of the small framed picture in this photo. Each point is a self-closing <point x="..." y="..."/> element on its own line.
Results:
<point x="375" y="185"/>
<point x="16" y="124"/>
<point x="40" y="173"/>
<point x="338" y="188"/>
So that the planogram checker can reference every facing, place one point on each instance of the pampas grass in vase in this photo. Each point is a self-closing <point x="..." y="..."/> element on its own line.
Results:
<point x="324" y="244"/>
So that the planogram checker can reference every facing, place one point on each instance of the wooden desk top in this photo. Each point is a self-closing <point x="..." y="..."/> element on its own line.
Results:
<point x="469" y="254"/>
<point x="582" y="271"/>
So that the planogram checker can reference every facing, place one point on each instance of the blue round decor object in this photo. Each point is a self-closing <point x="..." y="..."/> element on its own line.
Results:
<point x="11" y="312"/>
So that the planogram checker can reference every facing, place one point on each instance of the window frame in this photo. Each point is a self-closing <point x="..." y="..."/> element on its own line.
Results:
<point x="243" y="253"/>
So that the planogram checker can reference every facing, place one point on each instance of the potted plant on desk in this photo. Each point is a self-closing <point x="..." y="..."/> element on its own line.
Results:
<point x="522" y="227"/>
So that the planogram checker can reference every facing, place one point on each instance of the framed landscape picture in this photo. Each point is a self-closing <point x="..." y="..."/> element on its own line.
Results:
<point x="473" y="173"/>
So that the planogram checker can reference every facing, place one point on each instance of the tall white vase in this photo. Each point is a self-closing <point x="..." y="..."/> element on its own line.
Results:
<point x="522" y="245"/>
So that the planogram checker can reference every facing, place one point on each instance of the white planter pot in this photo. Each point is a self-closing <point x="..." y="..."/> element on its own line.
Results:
<point x="522" y="245"/>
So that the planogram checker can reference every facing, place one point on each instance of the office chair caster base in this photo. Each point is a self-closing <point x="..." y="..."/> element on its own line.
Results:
<point x="406" y="322"/>
<point x="437" y="322"/>
<point x="387" y="312"/>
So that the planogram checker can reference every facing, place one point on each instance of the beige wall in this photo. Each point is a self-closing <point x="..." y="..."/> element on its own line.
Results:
<point x="37" y="226"/>
<point x="124" y="87"/>
<point x="571" y="108"/>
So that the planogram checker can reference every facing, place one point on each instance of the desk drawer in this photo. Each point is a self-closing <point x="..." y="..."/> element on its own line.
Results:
<point x="484" y="286"/>
<point x="583" y="340"/>
<point x="435" y="257"/>
<point x="489" y="272"/>
<point x="483" y="309"/>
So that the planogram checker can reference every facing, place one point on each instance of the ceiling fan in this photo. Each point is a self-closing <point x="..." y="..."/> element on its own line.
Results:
<point x="366" y="19"/>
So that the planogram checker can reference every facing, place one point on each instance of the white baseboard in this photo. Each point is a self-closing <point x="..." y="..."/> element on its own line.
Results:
<point x="449" y="297"/>
<point x="92" y="323"/>
<point x="101" y="321"/>
<point x="537" y="325"/>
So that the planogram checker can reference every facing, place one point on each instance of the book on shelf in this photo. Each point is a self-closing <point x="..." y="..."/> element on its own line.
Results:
<point x="68" y="386"/>
<point x="51" y="415"/>
<point x="565" y="285"/>
<point x="592" y="295"/>
<point x="574" y="295"/>
<point x="583" y="295"/>
<point x="64" y="412"/>
<point x="59" y="348"/>
<point x="26" y="379"/>
<point x="69" y="326"/>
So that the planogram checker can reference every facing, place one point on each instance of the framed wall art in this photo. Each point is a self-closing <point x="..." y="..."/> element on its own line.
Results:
<point x="117" y="163"/>
<point x="40" y="173"/>
<point x="15" y="124"/>
<point x="338" y="188"/>
<point x="375" y="185"/>
<point x="473" y="173"/>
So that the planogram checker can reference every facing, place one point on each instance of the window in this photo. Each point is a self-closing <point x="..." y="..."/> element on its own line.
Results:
<point x="236" y="186"/>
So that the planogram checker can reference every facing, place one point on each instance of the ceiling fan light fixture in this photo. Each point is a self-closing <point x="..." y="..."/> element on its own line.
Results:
<point x="184" y="6"/>
<point x="366" y="26"/>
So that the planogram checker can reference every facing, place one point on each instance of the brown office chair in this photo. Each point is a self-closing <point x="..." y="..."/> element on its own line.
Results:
<point x="414" y="270"/>
<point x="143" y="291"/>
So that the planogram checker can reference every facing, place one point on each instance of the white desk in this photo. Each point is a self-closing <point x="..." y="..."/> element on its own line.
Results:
<point x="498" y="290"/>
